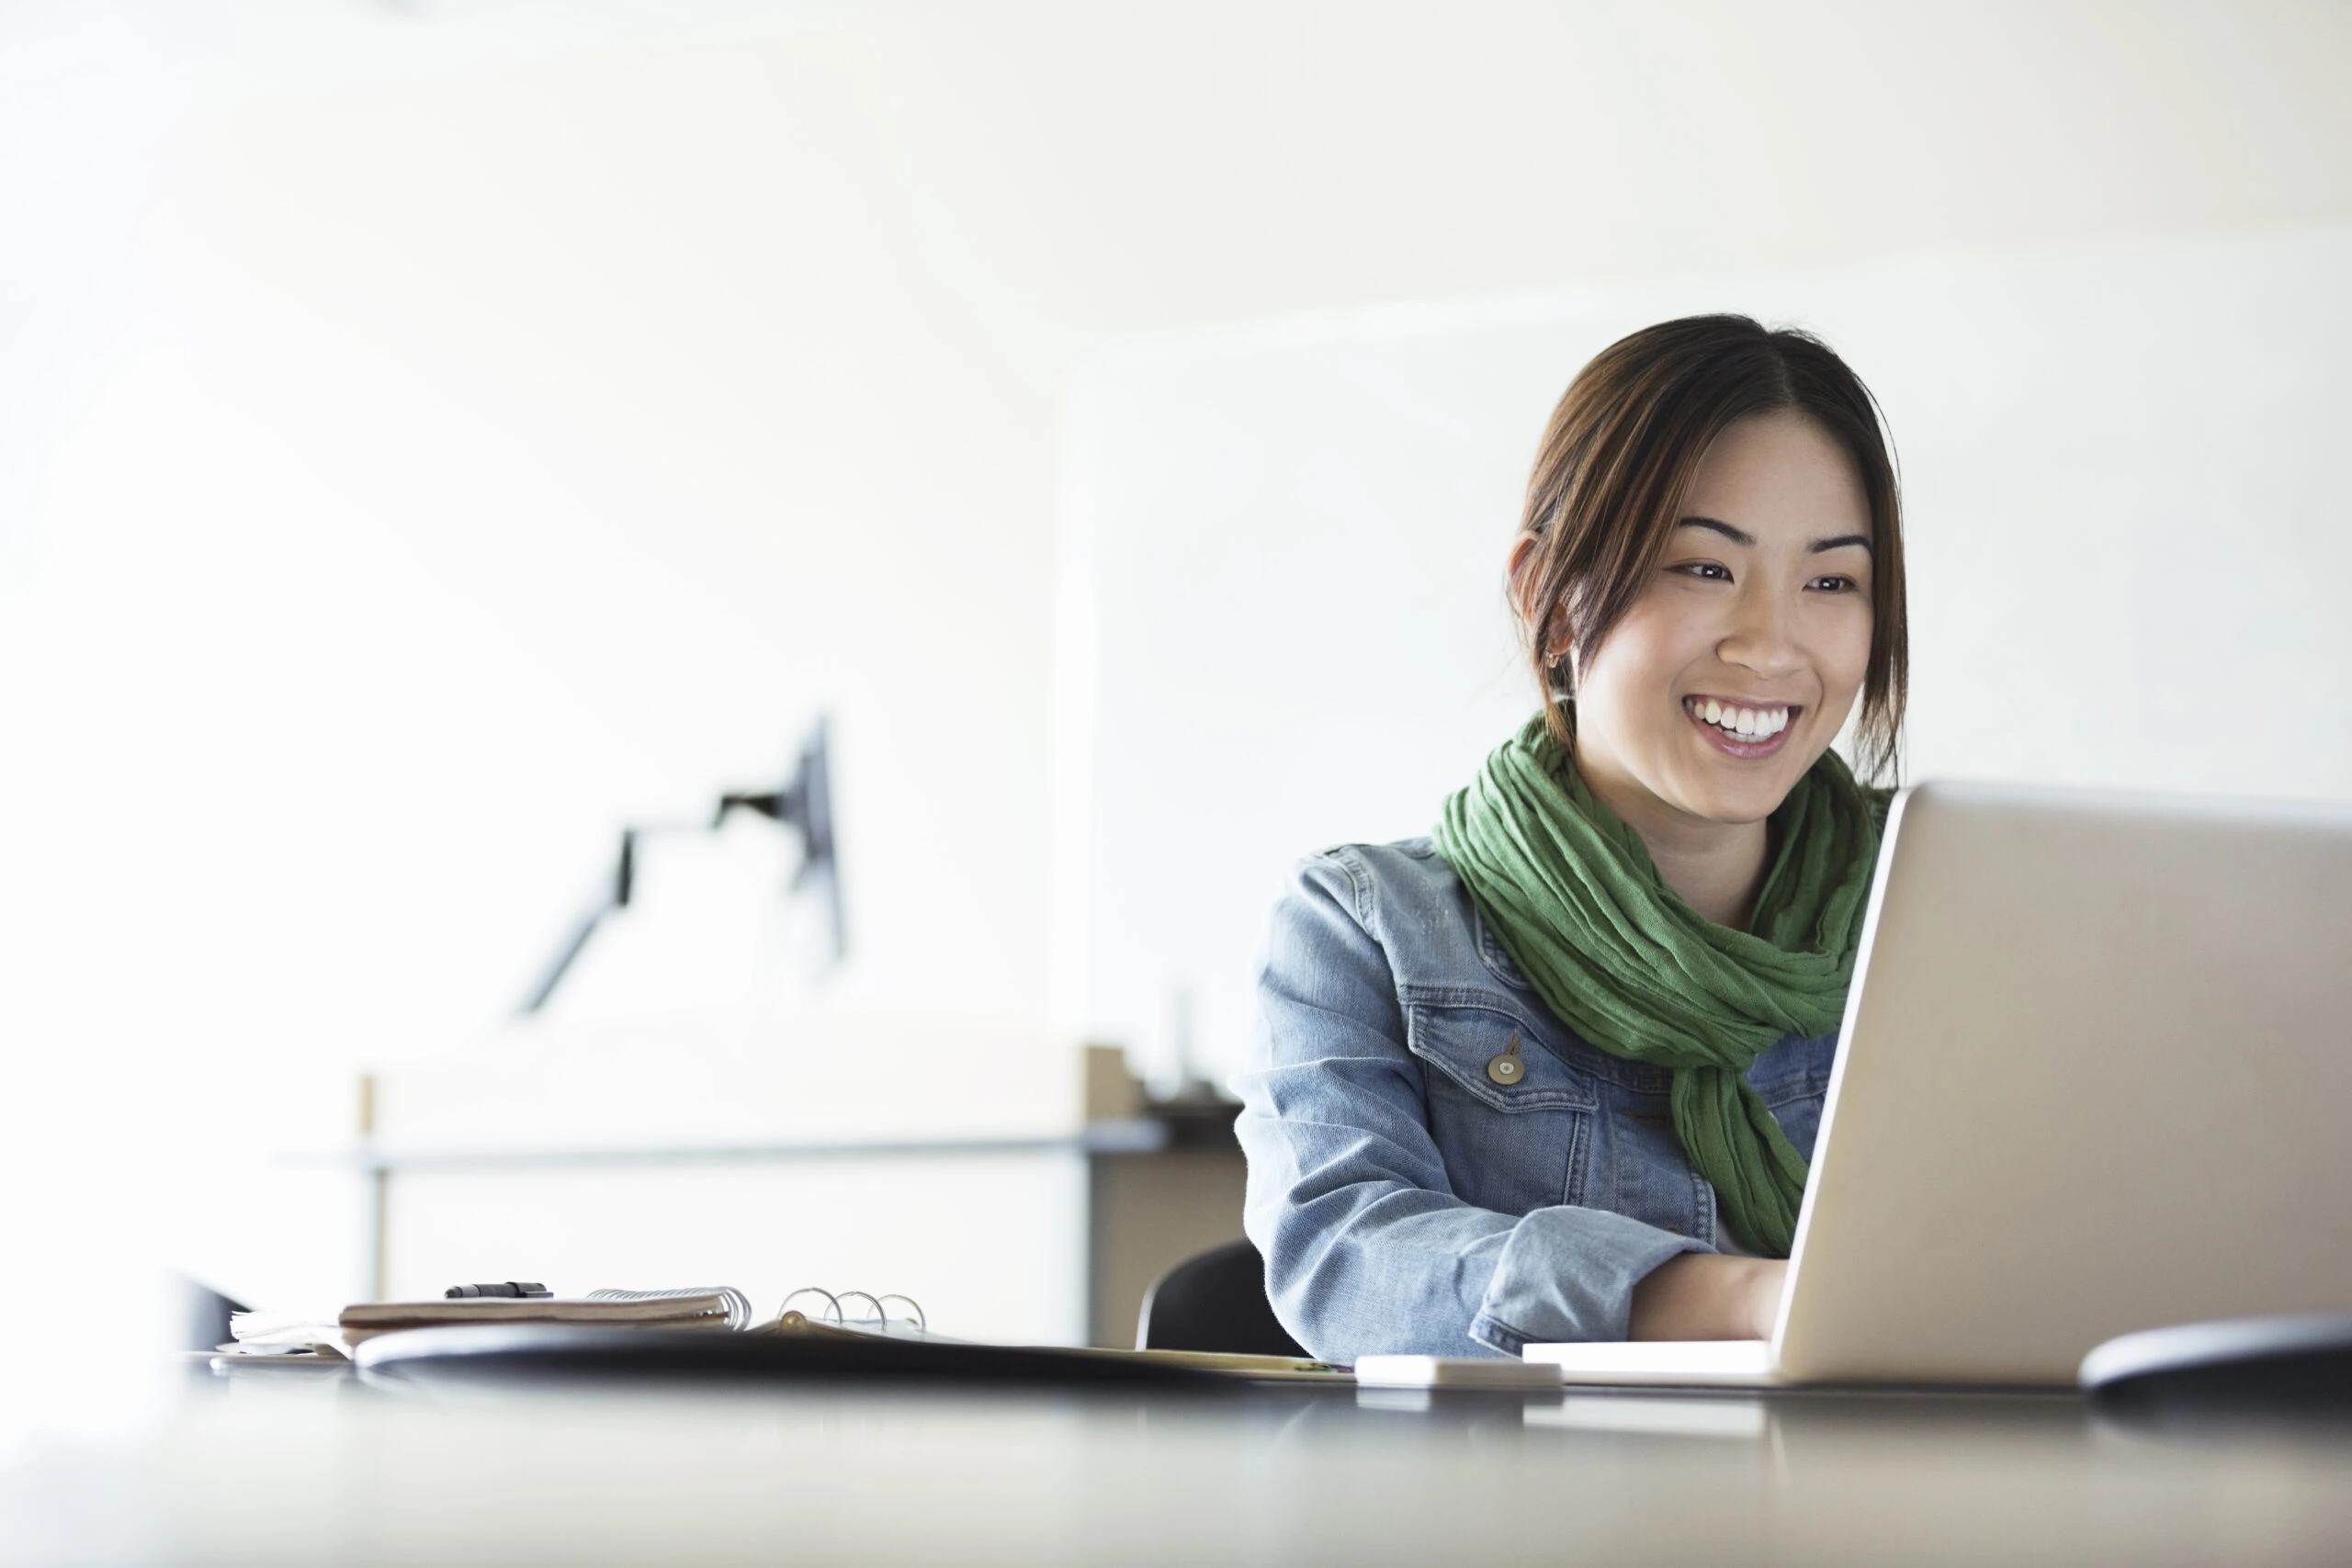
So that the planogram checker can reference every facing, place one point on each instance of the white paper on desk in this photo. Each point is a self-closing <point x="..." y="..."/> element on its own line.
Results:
<point x="272" y="1325"/>
<point x="280" y="1333"/>
<point x="325" y="1350"/>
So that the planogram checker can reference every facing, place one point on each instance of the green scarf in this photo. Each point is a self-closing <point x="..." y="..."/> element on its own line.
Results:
<point x="1621" y="959"/>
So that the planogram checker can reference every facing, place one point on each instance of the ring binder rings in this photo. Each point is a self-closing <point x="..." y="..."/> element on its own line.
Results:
<point x="789" y="1317"/>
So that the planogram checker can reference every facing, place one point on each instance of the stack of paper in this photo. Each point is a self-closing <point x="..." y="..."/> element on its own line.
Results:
<point x="277" y="1334"/>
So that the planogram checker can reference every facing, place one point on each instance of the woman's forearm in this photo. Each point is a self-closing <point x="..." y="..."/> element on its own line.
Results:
<point x="1704" y="1295"/>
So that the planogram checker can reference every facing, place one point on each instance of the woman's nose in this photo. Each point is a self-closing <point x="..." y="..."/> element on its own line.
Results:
<point x="1762" y="636"/>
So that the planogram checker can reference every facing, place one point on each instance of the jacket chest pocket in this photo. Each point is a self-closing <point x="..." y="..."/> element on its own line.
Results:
<point x="1792" y="1077"/>
<point x="1511" y="1120"/>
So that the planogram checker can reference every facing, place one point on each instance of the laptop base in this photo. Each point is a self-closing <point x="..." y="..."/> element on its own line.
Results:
<point x="1664" y="1363"/>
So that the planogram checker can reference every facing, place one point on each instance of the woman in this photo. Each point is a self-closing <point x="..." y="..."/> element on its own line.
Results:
<point x="1555" y="1072"/>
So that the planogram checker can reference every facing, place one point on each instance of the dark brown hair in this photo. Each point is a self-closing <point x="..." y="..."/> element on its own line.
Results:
<point x="1617" y="462"/>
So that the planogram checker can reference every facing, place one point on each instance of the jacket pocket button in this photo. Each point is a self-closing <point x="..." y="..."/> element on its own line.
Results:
<point x="1509" y="1067"/>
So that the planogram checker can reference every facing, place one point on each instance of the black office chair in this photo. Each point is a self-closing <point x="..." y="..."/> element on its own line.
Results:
<point x="1215" y="1301"/>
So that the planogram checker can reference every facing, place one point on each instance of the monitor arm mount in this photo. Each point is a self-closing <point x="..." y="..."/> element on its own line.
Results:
<point x="803" y="804"/>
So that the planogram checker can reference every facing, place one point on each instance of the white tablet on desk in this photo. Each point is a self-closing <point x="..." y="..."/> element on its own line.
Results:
<point x="2092" y="1079"/>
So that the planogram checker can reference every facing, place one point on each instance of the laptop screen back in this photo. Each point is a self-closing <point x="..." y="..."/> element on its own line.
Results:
<point x="2095" y="1077"/>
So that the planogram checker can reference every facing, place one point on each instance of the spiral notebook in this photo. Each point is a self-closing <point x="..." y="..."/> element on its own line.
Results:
<point x="257" y="1336"/>
<point x="814" y="1332"/>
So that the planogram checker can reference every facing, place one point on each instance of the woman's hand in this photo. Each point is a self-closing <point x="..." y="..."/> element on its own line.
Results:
<point x="1704" y="1295"/>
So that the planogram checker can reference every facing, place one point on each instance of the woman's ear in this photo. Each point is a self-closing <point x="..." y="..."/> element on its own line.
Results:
<point x="1519" y="577"/>
<point x="1548" y="624"/>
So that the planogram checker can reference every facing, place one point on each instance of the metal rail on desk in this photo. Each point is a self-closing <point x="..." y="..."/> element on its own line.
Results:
<point x="1099" y="1137"/>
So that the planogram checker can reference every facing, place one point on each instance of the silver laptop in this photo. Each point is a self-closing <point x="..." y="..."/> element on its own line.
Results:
<point x="2095" y="1076"/>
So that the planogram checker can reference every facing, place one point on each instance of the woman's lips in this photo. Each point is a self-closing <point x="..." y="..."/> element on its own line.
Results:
<point x="1731" y="745"/>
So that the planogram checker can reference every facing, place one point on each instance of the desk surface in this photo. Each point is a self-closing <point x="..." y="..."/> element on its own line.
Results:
<point x="311" y="1468"/>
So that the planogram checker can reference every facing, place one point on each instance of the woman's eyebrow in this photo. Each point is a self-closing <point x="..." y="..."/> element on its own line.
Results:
<point x="1737" y="535"/>
<point x="1741" y="536"/>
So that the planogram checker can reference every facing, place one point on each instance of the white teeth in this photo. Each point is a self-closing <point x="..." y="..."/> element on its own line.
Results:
<point x="1748" y="724"/>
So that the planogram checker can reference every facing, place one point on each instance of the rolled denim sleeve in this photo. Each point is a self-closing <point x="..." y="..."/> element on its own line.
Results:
<point x="1367" y="1248"/>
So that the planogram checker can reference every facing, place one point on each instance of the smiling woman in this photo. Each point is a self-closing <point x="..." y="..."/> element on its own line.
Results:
<point x="1609" y="986"/>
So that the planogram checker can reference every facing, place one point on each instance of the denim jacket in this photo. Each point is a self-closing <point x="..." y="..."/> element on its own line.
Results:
<point x="1403" y="1199"/>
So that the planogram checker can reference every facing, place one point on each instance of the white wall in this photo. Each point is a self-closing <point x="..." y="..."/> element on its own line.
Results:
<point x="2126" y="529"/>
<point x="431" y="433"/>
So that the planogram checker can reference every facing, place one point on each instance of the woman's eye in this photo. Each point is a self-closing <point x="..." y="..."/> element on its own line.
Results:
<point x="1713" y="571"/>
<point x="1834" y="584"/>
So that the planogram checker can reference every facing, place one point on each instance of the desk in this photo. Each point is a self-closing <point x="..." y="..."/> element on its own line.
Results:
<point x="312" y="1468"/>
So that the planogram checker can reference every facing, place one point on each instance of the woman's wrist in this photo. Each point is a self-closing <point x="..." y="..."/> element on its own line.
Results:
<point x="1705" y="1295"/>
<point x="1767" y="1278"/>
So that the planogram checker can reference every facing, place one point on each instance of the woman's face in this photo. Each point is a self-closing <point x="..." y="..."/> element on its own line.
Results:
<point x="1739" y="662"/>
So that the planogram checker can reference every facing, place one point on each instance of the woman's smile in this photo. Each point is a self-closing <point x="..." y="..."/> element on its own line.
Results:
<point x="1744" y="729"/>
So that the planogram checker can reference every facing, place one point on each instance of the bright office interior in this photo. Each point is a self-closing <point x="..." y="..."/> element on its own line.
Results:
<point x="435" y="435"/>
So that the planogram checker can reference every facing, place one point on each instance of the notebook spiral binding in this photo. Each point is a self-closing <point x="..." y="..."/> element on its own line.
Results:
<point x="738" y="1305"/>
<point x="739" y="1316"/>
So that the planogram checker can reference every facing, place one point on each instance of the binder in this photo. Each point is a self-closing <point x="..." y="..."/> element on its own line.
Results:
<point x="811" y="1352"/>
